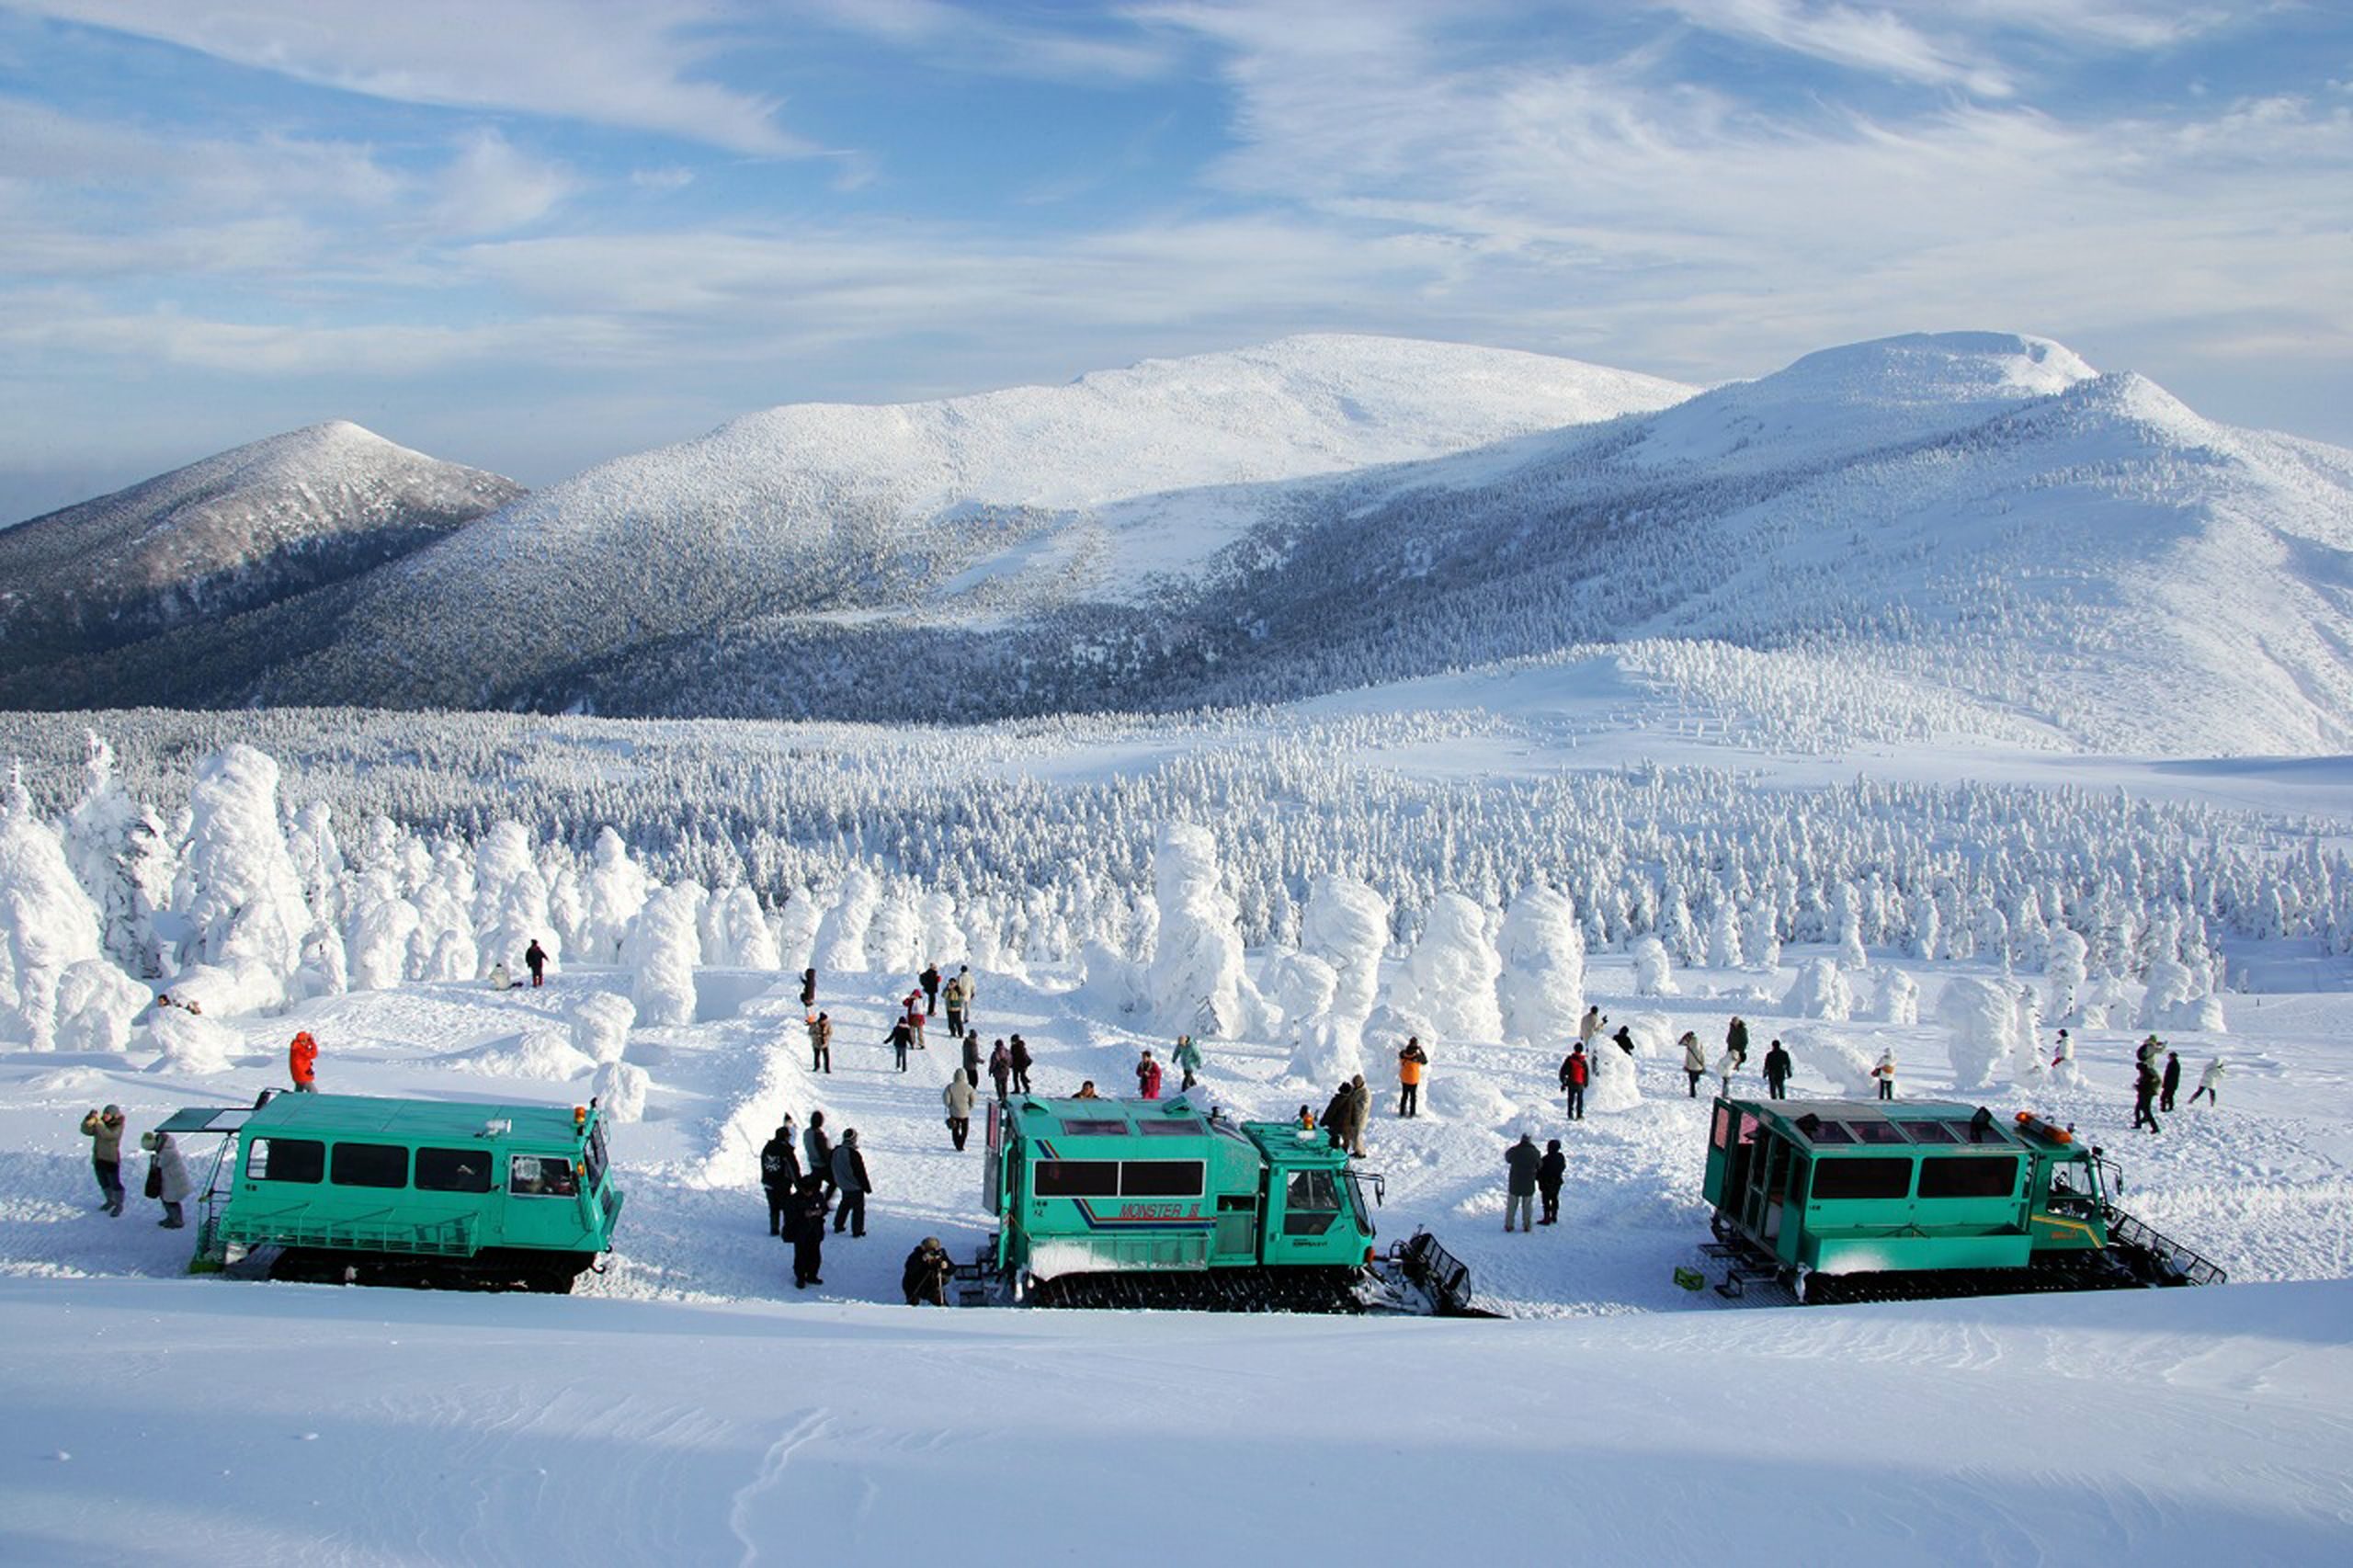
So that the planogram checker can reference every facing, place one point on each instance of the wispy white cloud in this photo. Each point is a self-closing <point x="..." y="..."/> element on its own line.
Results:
<point x="619" y="63"/>
<point x="1875" y="39"/>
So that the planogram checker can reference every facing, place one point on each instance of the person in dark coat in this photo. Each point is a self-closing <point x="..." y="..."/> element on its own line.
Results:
<point x="821" y="1043"/>
<point x="972" y="1057"/>
<point x="901" y="1037"/>
<point x="535" y="958"/>
<point x="1021" y="1059"/>
<point x="781" y="1173"/>
<point x="930" y="981"/>
<point x="1776" y="1071"/>
<point x="850" y="1179"/>
<point x="817" y="1149"/>
<point x="1551" y="1172"/>
<point x="924" y="1279"/>
<point x="1335" y="1119"/>
<point x="804" y="1227"/>
<point x="1736" y="1039"/>
<point x="1576" y="1071"/>
<point x="808" y="988"/>
<point x="1623" y="1040"/>
<point x="2145" y="1087"/>
<point x="2171" y="1083"/>
<point x="1000" y="1068"/>
<point x="1521" y="1162"/>
<point x="1147" y="1076"/>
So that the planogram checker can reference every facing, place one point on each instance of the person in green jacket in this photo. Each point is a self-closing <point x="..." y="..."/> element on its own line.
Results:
<point x="1186" y="1059"/>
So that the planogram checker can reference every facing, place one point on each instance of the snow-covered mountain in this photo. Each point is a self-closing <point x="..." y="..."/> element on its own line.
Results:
<point x="237" y="531"/>
<point x="1978" y="527"/>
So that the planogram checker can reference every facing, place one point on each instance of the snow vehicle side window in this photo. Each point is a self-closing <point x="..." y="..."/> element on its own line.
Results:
<point x="453" y="1170"/>
<point x="286" y="1159"/>
<point x="370" y="1164"/>
<point x="1160" y="1178"/>
<point x="1721" y="1134"/>
<point x="1879" y="1132"/>
<point x="1075" y="1127"/>
<point x="541" y="1175"/>
<point x="596" y="1157"/>
<point x="1077" y="1178"/>
<point x="1931" y="1133"/>
<point x="1311" y="1203"/>
<point x="1183" y="1127"/>
<point x="1969" y="1176"/>
<point x="1862" y="1178"/>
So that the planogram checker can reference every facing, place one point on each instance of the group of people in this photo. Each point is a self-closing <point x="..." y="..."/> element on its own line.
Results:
<point x="807" y="1177"/>
<point x="2155" y="1086"/>
<point x="168" y="1178"/>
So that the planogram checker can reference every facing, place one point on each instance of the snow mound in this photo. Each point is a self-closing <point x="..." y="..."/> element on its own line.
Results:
<point x="541" y="1054"/>
<point x="600" y="1025"/>
<point x="191" y="1044"/>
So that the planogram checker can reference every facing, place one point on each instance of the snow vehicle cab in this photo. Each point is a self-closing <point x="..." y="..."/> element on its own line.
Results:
<point x="424" y="1192"/>
<point x="1166" y="1202"/>
<point x="1852" y="1199"/>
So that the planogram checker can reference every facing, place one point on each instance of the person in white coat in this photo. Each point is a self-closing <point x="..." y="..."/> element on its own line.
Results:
<point x="958" y="1097"/>
<point x="1695" y="1061"/>
<point x="1726" y="1065"/>
<point x="1885" y="1074"/>
<point x="167" y="1178"/>
<point x="2206" y="1082"/>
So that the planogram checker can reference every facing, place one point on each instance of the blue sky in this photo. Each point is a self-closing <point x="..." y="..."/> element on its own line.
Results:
<point x="530" y="235"/>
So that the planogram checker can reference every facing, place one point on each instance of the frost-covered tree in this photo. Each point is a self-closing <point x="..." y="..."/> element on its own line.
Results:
<point x="1821" y="992"/>
<point x="1346" y="925"/>
<point x="325" y="969"/>
<point x="796" y="929"/>
<point x="1981" y="1017"/>
<point x="237" y="890"/>
<point x="97" y="1004"/>
<point x="944" y="940"/>
<point x="382" y="924"/>
<point x="2065" y="971"/>
<point x="616" y="891"/>
<point x="48" y="923"/>
<point x="1452" y="971"/>
<point x="1198" y="984"/>
<point x="1899" y="999"/>
<point x="318" y="860"/>
<point x="894" y="937"/>
<point x="1928" y="927"/>
<point x="735" y="934"/>
<point x="99" y="847"/>
<point x="1543" y="988"/>
<point x="841" y="935"/>
<point x="1654" y="971"/>
<point x="1723" y="937"/>
<point x="1763" y="944"/>
<point x="665" y="946"/>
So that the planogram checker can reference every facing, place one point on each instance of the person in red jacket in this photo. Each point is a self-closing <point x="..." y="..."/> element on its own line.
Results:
<point x="303" y="1063"/>
<point x="1576" y="1071"/>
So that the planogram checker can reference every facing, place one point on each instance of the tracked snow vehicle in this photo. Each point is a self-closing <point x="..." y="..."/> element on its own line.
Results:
<point x="361" y="1189"/>
<point x="1844" y="1201"/>
<point x="1168" y="1203"/>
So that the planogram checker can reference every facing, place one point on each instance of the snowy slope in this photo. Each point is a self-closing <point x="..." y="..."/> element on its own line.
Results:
<point x="236" y="531"/>
<point x="2183" y="1427"/>
<point x="868" y="511"/>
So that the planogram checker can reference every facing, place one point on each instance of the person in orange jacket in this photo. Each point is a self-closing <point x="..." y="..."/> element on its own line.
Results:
<point x="303" y="1063"/>
<point x="1410" y="1063"/>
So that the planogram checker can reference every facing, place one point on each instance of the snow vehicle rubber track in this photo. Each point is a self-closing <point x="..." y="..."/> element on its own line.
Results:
<point x="1166" y="1203"/>
<point x="1841" y="1200"/>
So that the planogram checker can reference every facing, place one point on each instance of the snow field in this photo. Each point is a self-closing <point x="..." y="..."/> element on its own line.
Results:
<point x="2185" y="1426"/>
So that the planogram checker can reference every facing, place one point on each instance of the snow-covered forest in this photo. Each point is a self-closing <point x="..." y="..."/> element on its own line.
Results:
<point x="379" y="849"/>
